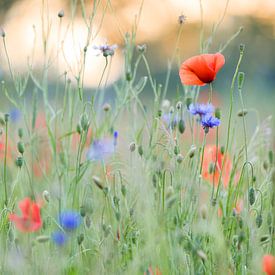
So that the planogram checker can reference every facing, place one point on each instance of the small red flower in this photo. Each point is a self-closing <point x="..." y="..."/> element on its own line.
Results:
<point x="269" y="264"/>
<point x="201" y="69"/>
<point x="30" y="220"/>
<point x="210" y="154"/>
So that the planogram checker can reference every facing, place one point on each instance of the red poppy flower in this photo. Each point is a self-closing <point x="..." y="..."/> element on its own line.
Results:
<point x="269" y="264"/>
<point x="210" y="154"/>
<point x="30" y="220"/>
<point x="201" y="69"/>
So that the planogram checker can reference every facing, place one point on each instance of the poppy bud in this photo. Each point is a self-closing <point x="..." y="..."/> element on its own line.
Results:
<point x="21" y="147"/>
<point x="176" y="150"/>
<point x="20" y="133"/>
<point x="61" y="13"/>
<point x="265" y="165"/>
<point x="179" y="105"/>
<point x="251" y="196"/>
<point x="259" y="220"/>
<point x="80" y="238"/>
<point x="188" y="102"/>
<point x="269" y="219"/>
<point x="270" y="156"/>
<point x="128" y="76"/>
<point x="211" y="168"/>
<point x="179" y="158"/>
<point x="46" y="196"/>
<point x="84" y="122"/>
<point x="19" y="162"/>
<point x="140" y="150"/>
<point x="116" y="201"/>
<point x="87" y="221"/>
<point x="123" y="190"/>
<point x="98" y="182"/>
<point x="192" y="151"/>
<point x="78" y="128"/>
<point x="181" y="126"/>
<point x="106" y="107"/>
<point x="82" y="211"/>
<point x="241" y="237"/>
<point x="240" y="80"/>
<point x="6" y="118"/>
<point x="218" y="113"/>
<point x="2" y="32"/>
<point x="132" y="147"/>
<point x="222" y="150"/>
<point x="242" y="113"/>
<point x="42" y="239"/>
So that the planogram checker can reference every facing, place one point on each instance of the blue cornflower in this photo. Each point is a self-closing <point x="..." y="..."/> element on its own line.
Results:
<point x="101" y="149"/>
<point x="209" y="121"/>
<point x="15" y="115"/>
<point x="69" y="220"/>
<point x="59" y="238"/>
<point x="201" y="109"/>
<point x="105" y="49"/>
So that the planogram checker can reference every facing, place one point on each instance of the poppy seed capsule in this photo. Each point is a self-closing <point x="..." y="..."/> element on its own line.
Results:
<point x="242" y="113"/>
<point x="21" y="147"/>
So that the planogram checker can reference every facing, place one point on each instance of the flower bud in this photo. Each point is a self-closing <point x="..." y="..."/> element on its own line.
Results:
<point x="20" y="133"/>
<point x="84" y="122"/>
<point x="21" y="147"/>
<point x="6" y="118"/>
<point x="46" y="196"/>
<point x="181" y="126"/>
<point x="132" y="147"/>
<point x="82" y="211"/>
<point x="259" y="220"/>
<point x="140" y="150"/>
<point x="42" y="239"/>
<point x="240" y="80"/>
<point x="242" y="113"/>
<point x="128" y="76"/>
<point x="118" y="216"/>
<point x="265" y="165"/>
<point x="179" y="158"/>
<point x="211" y="168"/>
<point x="222" y="150"/>
<point x="188" y="102"/>
<point x="179" y="105"/>
<point x="98" y="182"/>
<point x="251" y="196"/>
<point x="80" y="238"/>
<point x="176" y="150"/>
<point x="19" y="162"/>
<point x="2" y="32"/>
<point x="61" y="13"/>
<point x="123" y="190"/>
<point x="78" y="128"/>
<point x="87" y="221"/>
<point x="106" y="107"/>
<point x="192" y="151"/>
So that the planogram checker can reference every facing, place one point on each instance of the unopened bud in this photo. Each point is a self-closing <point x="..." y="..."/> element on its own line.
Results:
<point x="20" y="133"/>
<point x="222" y="150"/>
<point x="82" y="211"/>
<point x="21" y="147"/>
<point x="265" y="165"/>
<point x="176" y="150"/>
<point x="46" y="195"/>
<point x="123" y="190"/>
<point x="80" y="238"/>
<point x="87" y="221"/>
<point x="259" y="220"/>
<point x="84" y="122"/>
<point x="270" y="156"/>
<point x="78" y="128"/>
<point x="140" y="150"/>
<point x="181" y="126"/>
<point x="188" y="102"/>
<point x="251" y="196"/>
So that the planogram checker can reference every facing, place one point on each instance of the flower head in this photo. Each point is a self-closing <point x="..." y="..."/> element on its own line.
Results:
<point x="105" y="49"/>
<point x="30" y="220"/>
<point x="208" y="121"/>
<point x="201" y="69"/>
<point x="201" y="109"/>
<point x="269" y="264"/>
<point x="59" y="238"/>
<point x="69" y="220"/>
<point x="101" y="149"/>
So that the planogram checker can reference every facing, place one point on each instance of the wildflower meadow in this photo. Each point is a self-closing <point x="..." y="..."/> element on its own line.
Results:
<point x="117" y="171"/>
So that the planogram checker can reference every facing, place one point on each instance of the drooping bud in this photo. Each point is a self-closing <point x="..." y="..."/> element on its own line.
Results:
<point x="251" y="196"/>
<point x="176" y="150"/>
<point x="80" y="238"/>
<point x="270" y="156"/>
<point x="42" y="239"/>
<point x="82" y="211"/>
<point x="84" y="122"/>
<point x="181" y="126"/>
<point x="241" y="76"/>
<point x="188" y="102"/>
<point x="259" y="220"/>
<point x="46" y="196"/>
<point x="20" y="133"/>
<point x="222" y="150"/>
<point x="123" y="190"/>
<point x="140" y="150"/>
<point x="78" y="128"/>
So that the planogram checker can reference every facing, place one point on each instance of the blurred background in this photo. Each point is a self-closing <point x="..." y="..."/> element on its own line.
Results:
<point x="158" y="28"/>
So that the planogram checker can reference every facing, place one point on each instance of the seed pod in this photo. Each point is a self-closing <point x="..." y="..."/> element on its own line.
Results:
<point x="21" y="147"/>
<point x="251" y="196"/>
<point x="80" y="238"/>
<point x="181" y="126"/>
<point x="259" y="220"/>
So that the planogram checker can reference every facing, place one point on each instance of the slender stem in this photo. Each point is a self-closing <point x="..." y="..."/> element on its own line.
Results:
<point x="5" y="159"/>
